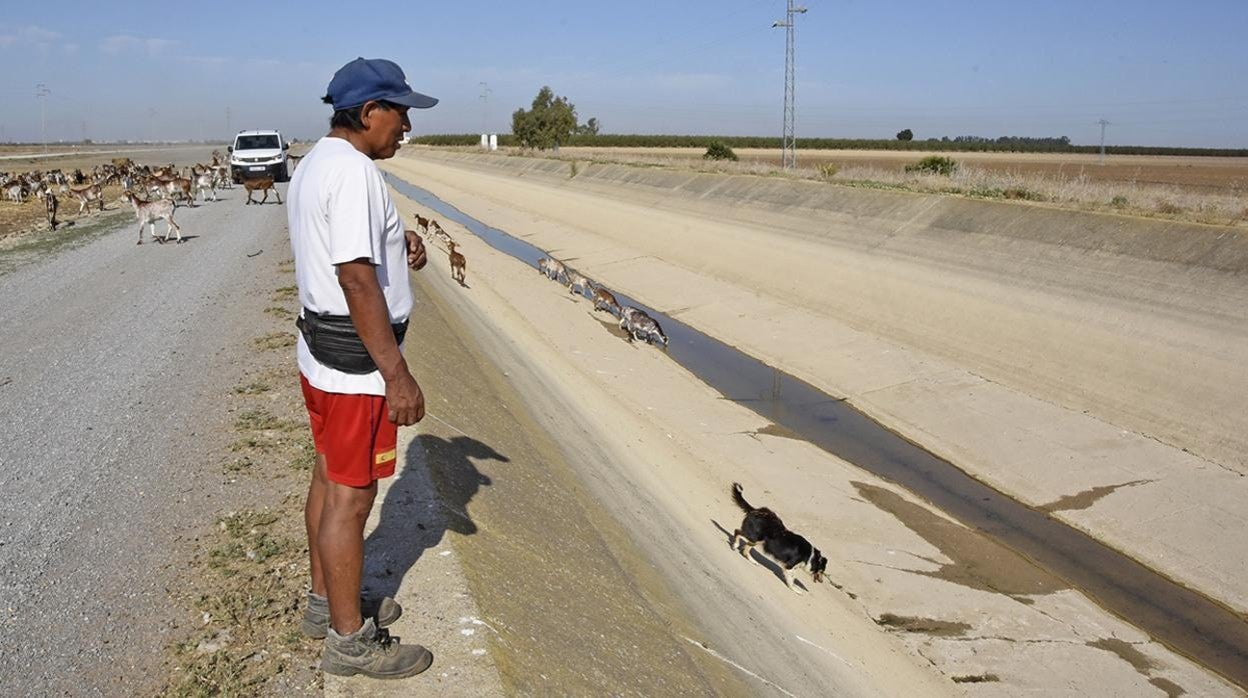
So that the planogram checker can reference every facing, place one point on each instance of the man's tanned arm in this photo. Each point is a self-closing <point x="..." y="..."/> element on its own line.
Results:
<point x="367" y="305"/>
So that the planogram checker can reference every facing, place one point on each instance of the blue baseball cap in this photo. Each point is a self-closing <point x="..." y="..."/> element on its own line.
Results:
<point x="365" y="79"/>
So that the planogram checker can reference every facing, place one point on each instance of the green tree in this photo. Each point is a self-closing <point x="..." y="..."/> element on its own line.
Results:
<point x="590" y="128"/>
<point x="905" y="135"/>
<point x="549" y="122"/>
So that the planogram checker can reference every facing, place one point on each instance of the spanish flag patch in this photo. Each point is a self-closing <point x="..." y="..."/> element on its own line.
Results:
<point x="384" y="457"/>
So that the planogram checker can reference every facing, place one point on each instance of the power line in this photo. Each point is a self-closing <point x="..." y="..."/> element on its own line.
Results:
<point x="485" y="107"/>
<point x="1103" y="124"/>
<point x="42" y="92"/>
<point x="789" y="154"/>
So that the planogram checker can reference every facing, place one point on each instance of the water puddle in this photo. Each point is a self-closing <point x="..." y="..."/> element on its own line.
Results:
<point x="1186" y="621"/>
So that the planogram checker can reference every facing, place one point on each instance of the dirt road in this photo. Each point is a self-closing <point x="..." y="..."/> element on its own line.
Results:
<point x="111" y="381"/>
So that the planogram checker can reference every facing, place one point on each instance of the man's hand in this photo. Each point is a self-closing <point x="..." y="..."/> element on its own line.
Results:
<point x="416" y="258"/>
<point x="406" y="401"/>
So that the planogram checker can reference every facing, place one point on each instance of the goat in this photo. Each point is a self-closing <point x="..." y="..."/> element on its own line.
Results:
<point x="205" y="183"/>
<point x="577" y="280"/>
<point x="552" y="268"/>
<point x="148" y="212"/>
<point x="605" y="300"/>
<point x="423" y="224"/>
<point x="459" y="265"/>
<point x="88" y="194"/>
<point x="445" y="238"/>
<point x="15" y="191"/>
<point x="180" y="187"/>
<point x="264" y="184"/>
<point x="224" y="180"/>
<point x="49" y="207"/>
<point x="639" y="325"/>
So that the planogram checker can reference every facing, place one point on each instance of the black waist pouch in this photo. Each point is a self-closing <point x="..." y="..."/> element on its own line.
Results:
<point x="333" y="341"/>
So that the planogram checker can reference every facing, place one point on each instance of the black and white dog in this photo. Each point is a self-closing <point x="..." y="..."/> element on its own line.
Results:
<point x="782" y="545"/>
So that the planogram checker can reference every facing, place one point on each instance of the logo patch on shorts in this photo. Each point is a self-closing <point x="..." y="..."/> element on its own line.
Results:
<point x="384" y="457"/>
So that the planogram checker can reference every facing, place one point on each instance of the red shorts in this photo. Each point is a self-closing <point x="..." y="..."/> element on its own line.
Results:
<point x="354" y="433"/>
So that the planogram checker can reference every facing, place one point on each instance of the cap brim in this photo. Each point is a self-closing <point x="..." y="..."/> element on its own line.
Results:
<point x="414" y="99"/>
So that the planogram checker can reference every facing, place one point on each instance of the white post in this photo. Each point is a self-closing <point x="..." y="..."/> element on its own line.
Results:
<point x="493" y="141"/>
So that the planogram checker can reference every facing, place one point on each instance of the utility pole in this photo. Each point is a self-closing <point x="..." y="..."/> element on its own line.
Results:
<point x="788" y="158"/>
<point x="42" y="92"/>
<point x="485" y="107"/>
<point x="1103" y="124"/>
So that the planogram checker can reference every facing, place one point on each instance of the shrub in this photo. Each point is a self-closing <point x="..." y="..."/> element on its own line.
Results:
<point x="1119" y="201"/>
<point x="934" y="164"/>
<point x="1019" y="193"/>
<point x="828" y="170"/>
<point x="718" y="150"/>
<point x="1168" y="208"/>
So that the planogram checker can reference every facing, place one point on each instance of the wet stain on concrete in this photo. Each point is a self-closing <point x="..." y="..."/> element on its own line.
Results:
<point x="1086" y="498"/>
<point x="927" y="626"/>
<point x="977" y="678"/>
<point x="977" y="562"/>
<point x="612" y="326"/>
<point x="1130" y="654"/>
<point x="777" y="430"/>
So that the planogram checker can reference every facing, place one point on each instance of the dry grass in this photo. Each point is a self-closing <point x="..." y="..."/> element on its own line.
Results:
<point x="1080" y="190"/>
<point x="249" y="574"/>
<point x="274" y="341"/>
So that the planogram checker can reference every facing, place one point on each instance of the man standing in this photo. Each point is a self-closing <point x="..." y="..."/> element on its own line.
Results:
<point x="351" y="260"/>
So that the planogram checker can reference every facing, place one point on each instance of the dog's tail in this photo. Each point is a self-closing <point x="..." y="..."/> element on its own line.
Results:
<point x="736" y="497"/>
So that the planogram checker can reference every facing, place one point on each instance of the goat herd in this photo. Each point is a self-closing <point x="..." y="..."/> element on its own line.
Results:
<point x="635" y="322"/>
<point x="153" y="192"/>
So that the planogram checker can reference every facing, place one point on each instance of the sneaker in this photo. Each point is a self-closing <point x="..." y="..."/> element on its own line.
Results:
<point x="372" y="653"/>
<point x="316" y="615"/>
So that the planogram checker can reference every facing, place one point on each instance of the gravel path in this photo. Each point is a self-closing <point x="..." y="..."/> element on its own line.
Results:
<point x="111" y="362"/>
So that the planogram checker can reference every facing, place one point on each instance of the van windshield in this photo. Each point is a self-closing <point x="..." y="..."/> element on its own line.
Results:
<point x="256" y="143"/>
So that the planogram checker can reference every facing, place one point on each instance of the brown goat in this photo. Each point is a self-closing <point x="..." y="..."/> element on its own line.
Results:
<point x="89" y="194"/>
<point x="605" y="300"/>
<point x="264" y="184"/>
<point x="459" y="265"/>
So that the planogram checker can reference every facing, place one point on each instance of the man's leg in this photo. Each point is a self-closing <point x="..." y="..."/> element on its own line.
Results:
<point x="340" y="546"/>
<point x="312" y="521"/>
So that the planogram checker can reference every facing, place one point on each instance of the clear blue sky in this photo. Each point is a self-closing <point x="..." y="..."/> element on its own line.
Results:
<point x="1163" y="73"/>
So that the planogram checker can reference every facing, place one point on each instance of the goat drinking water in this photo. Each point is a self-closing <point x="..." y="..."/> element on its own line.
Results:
<point x="639" y="325"/>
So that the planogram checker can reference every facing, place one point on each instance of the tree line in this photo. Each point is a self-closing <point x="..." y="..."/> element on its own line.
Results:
<point x="551" y="121"/>
<point x="700" y="141"/>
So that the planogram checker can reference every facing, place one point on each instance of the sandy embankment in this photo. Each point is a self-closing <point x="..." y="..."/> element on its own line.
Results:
<point x="970" y="609"/>
<point x="1061" y="357"/>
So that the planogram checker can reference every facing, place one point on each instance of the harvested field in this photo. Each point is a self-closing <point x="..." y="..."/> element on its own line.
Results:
<point x="1210" y="173"/>
<point x="29" y="216"/>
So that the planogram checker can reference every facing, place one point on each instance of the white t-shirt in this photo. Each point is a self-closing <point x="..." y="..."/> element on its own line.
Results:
<point x="340" y="210"/>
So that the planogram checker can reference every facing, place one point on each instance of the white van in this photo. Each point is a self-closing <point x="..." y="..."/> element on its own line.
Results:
<point x="259" y="154"/>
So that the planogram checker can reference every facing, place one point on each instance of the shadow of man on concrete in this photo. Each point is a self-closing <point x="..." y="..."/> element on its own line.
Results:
<point x="430" y="496"/>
